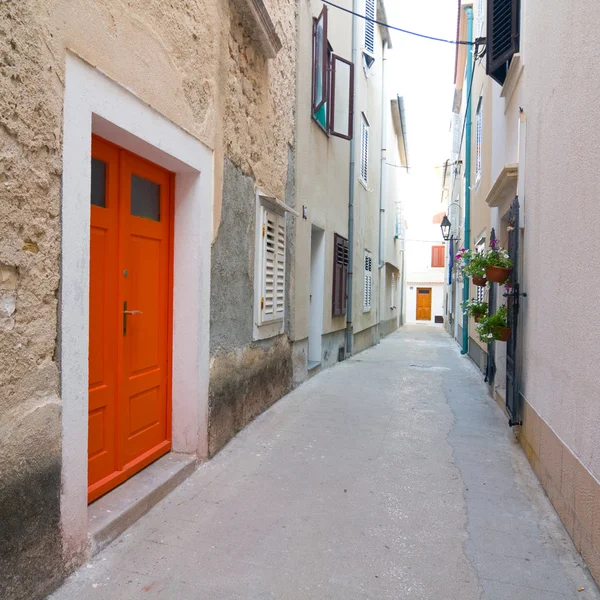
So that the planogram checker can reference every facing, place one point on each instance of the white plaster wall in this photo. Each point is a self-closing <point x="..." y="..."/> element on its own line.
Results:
<point x="437" y="302"/>
<point x="322" y="172"/>
<point x="369" y="90"/>
<point x="561" y="315"/>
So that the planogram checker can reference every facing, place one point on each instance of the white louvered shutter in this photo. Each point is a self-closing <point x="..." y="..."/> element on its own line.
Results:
<point x="364" y="151"/>
<point x="269" y="242"/>
<point x="280" y="268"/>
<point x="370" y="26"/>
<point x="456" y="134"/>
<point x="368" y="281"/>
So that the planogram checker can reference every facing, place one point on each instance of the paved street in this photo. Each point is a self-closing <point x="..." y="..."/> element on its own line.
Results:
<point x="392" y="475"/>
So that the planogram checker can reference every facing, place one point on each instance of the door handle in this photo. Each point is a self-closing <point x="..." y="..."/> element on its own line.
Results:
<point x="128" y="312"/>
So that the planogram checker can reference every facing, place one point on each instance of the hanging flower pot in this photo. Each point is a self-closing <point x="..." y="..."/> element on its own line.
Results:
<point x="479" y="281"/>
<point x="501" y="334"/>
<point x="497" y="274"/>
<point x="494" y="327"/>
<point x="478" y="317"/>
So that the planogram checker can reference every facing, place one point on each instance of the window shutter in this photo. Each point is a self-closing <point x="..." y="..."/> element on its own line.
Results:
<point x="345" y="276"/>
<point x="340" y="275"/>
<point x="280" y="268"/>
<point x="269" y="235"/>
<point x="456" y="133"/>
<point x="370" y="26"/>
<point x="502" y="36"/>
<point x="320" y="50"/>
<point x="342" y="98"/>
<point x="368" y="284"/>
<point x="364" y="151"/>
<point x="438" y="256"/>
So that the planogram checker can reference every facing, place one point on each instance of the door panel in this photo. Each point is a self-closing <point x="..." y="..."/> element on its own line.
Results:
<point x="130" y="307"/>
<point x="423" y="304"/>
<point x="103" y="332"/>
<point x="145" y="242"/>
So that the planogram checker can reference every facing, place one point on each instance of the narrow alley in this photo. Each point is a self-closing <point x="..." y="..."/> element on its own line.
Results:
<point x="392" y="475"/>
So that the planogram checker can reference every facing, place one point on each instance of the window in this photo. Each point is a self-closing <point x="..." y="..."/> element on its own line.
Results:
<point x="369" y="42"/>
<point x="480" y="17"/>
<point x="479" y="141"/>
<point x="272" y="247"/>
<point x="340" y="275"/>
<point x="438" y="256"/>
<point x="503" y="32"/>
<point x="332" y="84"/>
<point x="368" y="281"/>
<point x="364" y="150"/>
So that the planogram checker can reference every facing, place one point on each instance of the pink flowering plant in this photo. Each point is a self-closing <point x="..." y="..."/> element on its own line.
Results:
<point x="471" y="263"/>
<point x="497" y="256"/>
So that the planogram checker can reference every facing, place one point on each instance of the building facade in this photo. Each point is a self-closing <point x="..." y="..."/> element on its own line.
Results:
<point x="347" y="255"/>
<point x="177" y="249"/>
<point x="527" y="174"/>
<point x="134" y="138"/>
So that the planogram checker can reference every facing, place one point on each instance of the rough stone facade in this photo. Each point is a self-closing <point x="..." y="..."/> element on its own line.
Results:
<point x="197" y="64"/>
<point x="246" y="377"/>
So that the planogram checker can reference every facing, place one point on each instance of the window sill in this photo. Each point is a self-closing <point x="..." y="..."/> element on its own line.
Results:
<point x="261" y="26"/>
<point x="363" y="183"/>
<point x="268" y="330"/>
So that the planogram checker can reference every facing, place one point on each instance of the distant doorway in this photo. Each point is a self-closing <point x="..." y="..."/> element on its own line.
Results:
<point x="423" y="304"/>
<point x="317" y="293"/>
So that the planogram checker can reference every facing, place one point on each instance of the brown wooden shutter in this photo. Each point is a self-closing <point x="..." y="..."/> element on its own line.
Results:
<point x="345" y="277"/>
<point x="438" y="256"/>
<point x="340" y="276"/>
<point x="503" y="25"/>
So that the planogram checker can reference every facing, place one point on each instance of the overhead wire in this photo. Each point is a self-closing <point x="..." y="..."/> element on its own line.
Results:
<point x="383" y="24"/>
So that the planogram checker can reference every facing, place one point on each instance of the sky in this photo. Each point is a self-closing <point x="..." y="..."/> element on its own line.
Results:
<point x="423" y="73"/>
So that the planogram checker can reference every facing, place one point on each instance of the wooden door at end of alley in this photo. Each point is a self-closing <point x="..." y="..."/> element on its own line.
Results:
<point x="423" y="304"/>
<point x="130" y="316"/>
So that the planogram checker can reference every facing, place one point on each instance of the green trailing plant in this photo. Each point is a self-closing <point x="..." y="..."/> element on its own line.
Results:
<point x="489" y="326"/>
<point x="471" y="262"/>
<point x="475" y="308"/>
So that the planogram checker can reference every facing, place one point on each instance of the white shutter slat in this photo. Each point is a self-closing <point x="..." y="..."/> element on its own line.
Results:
<point x="370" y="26"/>
<point x="268" y="271"/>
<point x="280" y="269"/>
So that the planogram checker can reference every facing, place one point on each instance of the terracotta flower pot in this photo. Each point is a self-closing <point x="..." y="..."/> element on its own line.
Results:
<point x="504" y="333"/>
<point x="477" y="317"/>
<point x="479" y="281"/>
<point x="497" y="274"/>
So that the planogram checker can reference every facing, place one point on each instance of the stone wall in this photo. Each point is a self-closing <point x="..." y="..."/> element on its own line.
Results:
<point x="194" y="62"/>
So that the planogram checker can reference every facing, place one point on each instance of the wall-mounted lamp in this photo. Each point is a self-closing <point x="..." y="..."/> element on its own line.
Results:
<point x="445" y="227"/>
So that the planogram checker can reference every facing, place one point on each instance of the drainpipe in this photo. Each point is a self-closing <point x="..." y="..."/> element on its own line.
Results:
<point x="383" y="178"/>
<point x="469" y="12"/>
<point x="349" y="334"/>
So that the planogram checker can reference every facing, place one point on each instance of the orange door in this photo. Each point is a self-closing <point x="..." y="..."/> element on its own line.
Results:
<point x="423" y="304"/>
<point x="130" y="308"/>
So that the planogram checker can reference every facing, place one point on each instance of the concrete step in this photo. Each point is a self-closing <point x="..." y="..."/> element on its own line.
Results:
<point x="113" y="513"/>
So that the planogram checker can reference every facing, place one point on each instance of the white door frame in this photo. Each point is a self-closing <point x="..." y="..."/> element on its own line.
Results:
<point x="96" y="104"/>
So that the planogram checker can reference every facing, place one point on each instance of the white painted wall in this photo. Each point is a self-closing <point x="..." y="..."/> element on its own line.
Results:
<point x="437" y="302"/>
